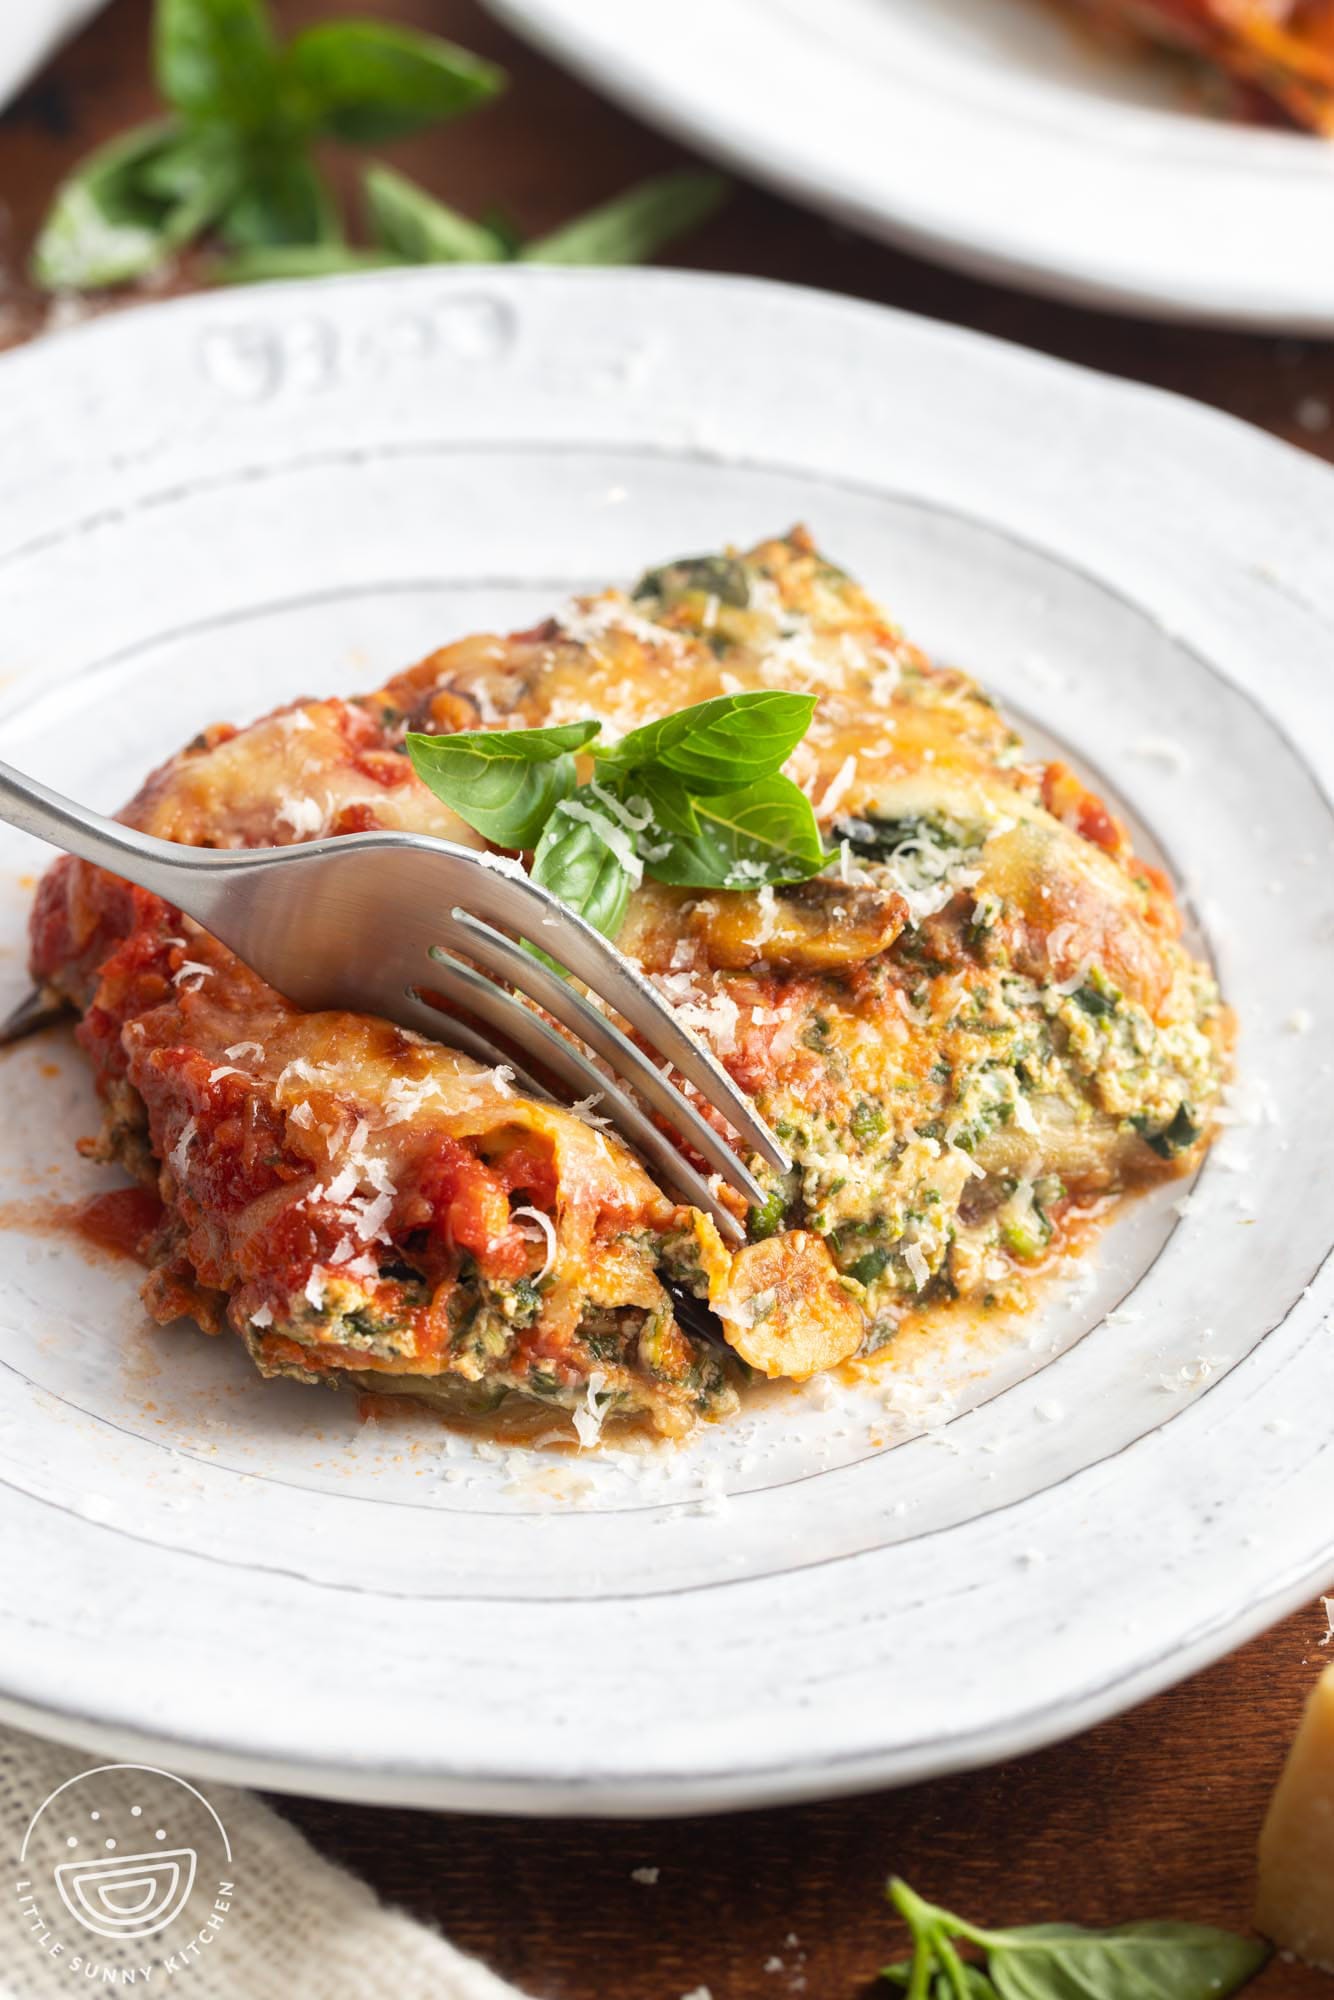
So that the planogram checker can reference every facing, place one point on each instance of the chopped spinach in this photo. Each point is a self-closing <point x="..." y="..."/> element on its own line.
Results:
<point x="879" y="838"/>
<point x="871" y="1266"/>
<point x="722" y="577"/>
<point x="769" y="1218"/>
<point x="867" y="1120"/>
<point x="1093" y="1002"/>
<point x="1168" y="1140"/>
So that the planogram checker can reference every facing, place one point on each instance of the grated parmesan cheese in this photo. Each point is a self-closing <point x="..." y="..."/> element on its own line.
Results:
<point x="588" y="621"/>
<point x="837" y="789"/>
<point x="589" y="1417"/>
<point x="403" y="1097"/>
<point x="583" y="1110"/>
<point x="917" y="1265"/>
<point x="633" y="814"/>
<point x="180" y="1152"/>
<point x="303" y="816"/>
<point x="612" y="836"/>
<point x="546" y="1229"/>
<point x="297" y="1071"/>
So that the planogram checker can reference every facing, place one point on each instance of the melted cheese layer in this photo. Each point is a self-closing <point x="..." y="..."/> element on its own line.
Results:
<point x="978" y="1021"/>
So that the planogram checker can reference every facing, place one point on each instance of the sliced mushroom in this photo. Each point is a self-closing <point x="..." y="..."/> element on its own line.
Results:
<point x="810" y="928"/>
<point x="785" y="1309"/>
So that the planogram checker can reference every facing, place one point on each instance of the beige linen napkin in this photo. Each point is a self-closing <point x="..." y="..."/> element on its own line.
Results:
<point x="296" y="1927"/>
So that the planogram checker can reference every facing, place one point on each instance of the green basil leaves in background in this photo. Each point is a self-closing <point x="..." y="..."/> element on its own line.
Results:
<point x="218" y="63"/>
<point x="1066" y="1962"/>
<point x="238" y="159"/>
<point x="131" y="204"/>
<point x="635" y="224"/>
<point x="367" y="82"/>
<point x="411" y="226"/>
<point x="656" y="805"/>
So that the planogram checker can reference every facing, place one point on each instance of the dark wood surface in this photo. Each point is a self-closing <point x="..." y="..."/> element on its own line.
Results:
<point x="1154" y="1814"/>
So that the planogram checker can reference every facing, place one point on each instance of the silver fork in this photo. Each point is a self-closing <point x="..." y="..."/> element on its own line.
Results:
<point x="365" y="921"/>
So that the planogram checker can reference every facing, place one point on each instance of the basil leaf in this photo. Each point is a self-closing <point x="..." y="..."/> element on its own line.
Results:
<point x="108" y="225"/>
<point x="672" y="807"/>
<point x="1066" y="1962"/>
<point x="274" y="261"/>
<point x="414" y="225"/>
<point x="506" y="783"/>
<point x="763" y="833"/>
<point x="504" y="228"/>
<point x="533" y="746"/>
<point x="365" y="81"/>
<point x="634" y="224"/>
<point x="719" y="745"/>
<point x="578" y="861"/>
<point x="217" y="60"/>
<point x="190" y="165"/>
<point x="286" y="201"/>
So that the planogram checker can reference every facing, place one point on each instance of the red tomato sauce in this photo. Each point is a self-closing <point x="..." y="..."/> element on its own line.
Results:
<point x="121" y="1221"/>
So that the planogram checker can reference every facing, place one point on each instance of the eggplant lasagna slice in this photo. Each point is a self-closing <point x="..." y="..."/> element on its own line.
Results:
<point x="1275" y="57"/>
<point x="977" y="1023"/>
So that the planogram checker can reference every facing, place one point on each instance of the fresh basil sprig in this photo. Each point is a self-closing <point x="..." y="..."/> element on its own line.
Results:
<point x="1066" y="1962"/>
<point x="696" y="799"/>
<point x="410" y="226"/>
<point x="236" y="158"/>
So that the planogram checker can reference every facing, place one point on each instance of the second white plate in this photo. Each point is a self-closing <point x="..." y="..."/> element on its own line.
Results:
<point x="985" y="133"/>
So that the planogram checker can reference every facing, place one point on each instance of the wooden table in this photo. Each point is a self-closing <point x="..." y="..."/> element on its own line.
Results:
<point x="1153" y="1814"/>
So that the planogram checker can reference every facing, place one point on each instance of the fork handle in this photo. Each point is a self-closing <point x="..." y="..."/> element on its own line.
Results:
<point x="49" y="815"/>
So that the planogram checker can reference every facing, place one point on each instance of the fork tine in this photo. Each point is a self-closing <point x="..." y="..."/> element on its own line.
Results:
<point x="528" y="1031"/>
<point x="499" y="955"/>
<point x="529" y="911"/>
<point x="36" y="1010"/>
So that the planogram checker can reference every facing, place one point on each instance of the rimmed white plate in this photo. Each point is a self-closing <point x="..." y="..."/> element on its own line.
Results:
<point x="985" y="133"/>
<point x="210" y="506"/>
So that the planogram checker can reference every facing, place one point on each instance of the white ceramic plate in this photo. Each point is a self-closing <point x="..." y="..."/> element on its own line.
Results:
<point x="211" y="506"/>
<point x="985" y="133"/>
